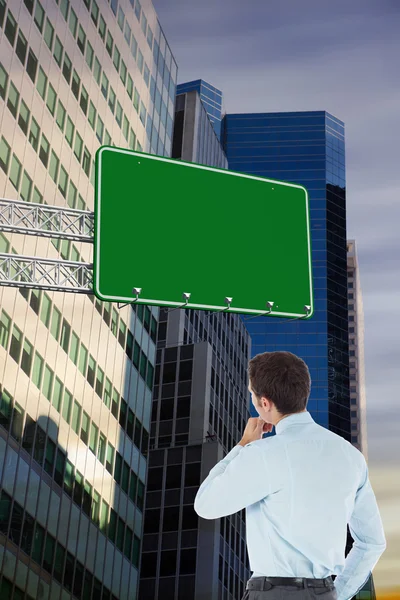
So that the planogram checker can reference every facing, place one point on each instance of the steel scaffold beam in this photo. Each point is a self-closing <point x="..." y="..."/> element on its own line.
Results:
<point x="52" y="222"/>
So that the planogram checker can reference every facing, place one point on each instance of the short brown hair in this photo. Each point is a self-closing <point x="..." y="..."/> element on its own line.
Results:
<point x="281" y="377"/>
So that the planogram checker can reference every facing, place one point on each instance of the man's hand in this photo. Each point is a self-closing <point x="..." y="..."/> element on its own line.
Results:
<point x="255" y="429"/>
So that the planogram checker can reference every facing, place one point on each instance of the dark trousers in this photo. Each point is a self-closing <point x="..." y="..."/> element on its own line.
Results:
<point x="301" y="588"/>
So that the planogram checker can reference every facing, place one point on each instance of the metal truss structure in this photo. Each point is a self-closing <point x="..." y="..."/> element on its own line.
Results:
<point x="46" y="221"/>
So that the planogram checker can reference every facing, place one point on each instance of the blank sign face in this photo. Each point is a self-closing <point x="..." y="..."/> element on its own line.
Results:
<point x="170" y="227"/>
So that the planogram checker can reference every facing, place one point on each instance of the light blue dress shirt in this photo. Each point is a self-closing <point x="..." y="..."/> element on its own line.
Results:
<point x="300" y="489"/>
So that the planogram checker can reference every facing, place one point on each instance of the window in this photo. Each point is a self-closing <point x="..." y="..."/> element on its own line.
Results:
<point x="69" y="477"/>
<point x="136" y="99"/>
<point x="95" y="12"/>
<point x="55" y="323"/>
<point x="48" y="383"/>
<point x="107" y="138"/>
<point x="89" y="55"/>
<point x="127" y="33"/>
<point x="13" y="100"/>
<point x="76" y="84"/>
<point x="123" y="72"/>
<point x="138" y="9"/>
<point x="104" y="517"/>
<point x="31" y="65"/>
<point x="102" y="28"/>
<point x="143" y="113"/>
<point x="39" y="16"/>
<point x="146" y="74"/>
<point x="44" y="150"/>
<point x="125" y="128"/>
<point x="118" y="114"/>
<point x="81" y="41"/>
<point x="78" y="146"/>
<point x="67" y="66"/>
<point x="76" y="417"/>
<point x="101" y="452"/>
<point x="87" y="498"/>
<point x="92" y="114"/>
<point x="69" y="132"/>
<point x="99" y="382"/>
<point x="49" y="34"/>
<point x="73" y="22"/>
<point x="27" y="354"/>
<point x="61" y="113"/>
<point x="85" y="428"/>
<point x="100" y="130"/>
<point x="111" y="100"/>
<point x="50" y="457"/>
<point x="72" y="192"/>
<point x="41" y="85"/>
<point x="91" y="370"/>
<point x="15" y="172"/>
<point x="37" y="370"/>
<point x="140" y="61"/>
<point x="83" y="357"/>
<point x="58" y="51"/>
<point x="21" y="47"/>
<point x="78" y="488"/>
<point x="96" y="508"/>
<point x="54" y="166"/>
<point x="134" y="46"/>
<point x="150" y="37"/>
<point x="3" y="82"/>
<point x="121" y="18"/>
<point x="97" y="70"/>
<point x="125" y="477"/>
<point x="63" y="181"/>
<point x="94" y="434"/>
<point x="16" y="344"/>
<point x="117" y="58"/>
<point x="114" y="6"/>
<point x="110" y="458"/>
<point x="118" y="467"/>
<point x="67" y="405"/>
<point x="10" y="29"/>
<point x="51" y="99"/>
<point x="73" y="353"/>
<point x="5" y="151"/>
<point x="129" y="87"/>
<point x="104" y="86"/>
<point x="34" y="134"/>
<point x="109" y="43"/>
<point x="23" y="119"/>
<point x="60" y="466"/>
<point x="57" y="394"/>
<point x="87" y="159"/>
<point x="64" y="7"/>
<point x="29" y="5"/>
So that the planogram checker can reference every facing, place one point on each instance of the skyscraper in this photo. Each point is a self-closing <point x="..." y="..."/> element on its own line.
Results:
<point x="211" y="98"/>
<point x="356" y="352"/>
<point x="200" y="410"/>
<point x="307" y="148"/>
<point x="194" y="140"/>
<point x="76" y="374"/>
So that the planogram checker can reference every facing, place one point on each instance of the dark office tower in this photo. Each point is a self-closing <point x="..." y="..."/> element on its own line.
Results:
<point x="200" y="410"/>
<point x="211" y="98"/>
<point x="194" y="140"/>
<point x="307" y="148"/>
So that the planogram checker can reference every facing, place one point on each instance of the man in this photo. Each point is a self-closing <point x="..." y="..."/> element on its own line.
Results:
<point x="300" y="489"/>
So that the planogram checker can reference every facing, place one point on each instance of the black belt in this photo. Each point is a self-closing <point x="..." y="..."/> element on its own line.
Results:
<point x="266" y="583"/>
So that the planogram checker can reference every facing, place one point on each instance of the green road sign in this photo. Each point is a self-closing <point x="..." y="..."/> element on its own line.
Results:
<point x="230" y="240"/>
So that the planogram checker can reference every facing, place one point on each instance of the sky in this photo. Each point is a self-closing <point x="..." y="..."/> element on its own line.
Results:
<point x="342" y="57"/>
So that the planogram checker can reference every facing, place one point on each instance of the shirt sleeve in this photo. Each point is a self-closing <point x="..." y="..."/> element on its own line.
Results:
<point x="237" y="481"/>
<point x="366" y="529"/>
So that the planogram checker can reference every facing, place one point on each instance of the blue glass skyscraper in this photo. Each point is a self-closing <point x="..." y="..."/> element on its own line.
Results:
<point x="305" y="148"/>
<point x="211" y="98"/>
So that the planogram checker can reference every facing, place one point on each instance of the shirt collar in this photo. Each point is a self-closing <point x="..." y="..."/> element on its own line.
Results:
<point x="295" y="419"/>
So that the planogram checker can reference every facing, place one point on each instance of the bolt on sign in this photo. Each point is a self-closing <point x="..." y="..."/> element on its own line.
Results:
<point x="177" y="234"/>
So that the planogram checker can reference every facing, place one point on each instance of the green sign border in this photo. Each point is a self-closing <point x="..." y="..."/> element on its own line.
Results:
<point x="97" y="219"/>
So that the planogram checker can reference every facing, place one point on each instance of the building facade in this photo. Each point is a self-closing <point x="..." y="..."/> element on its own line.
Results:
<point x="200" y="410"/>
<point x="307" y="148"/>
<point x="211" y="98"/>
<point x="194" y="140"/>
<point x="358" y="402"/>
<point x="76" y="374"/>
